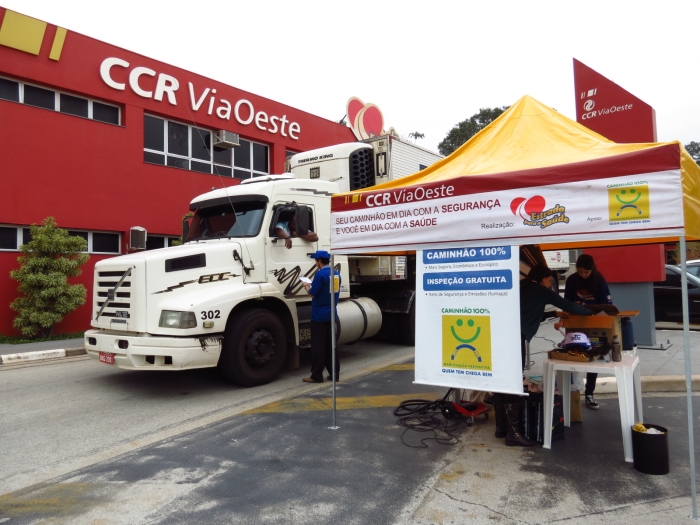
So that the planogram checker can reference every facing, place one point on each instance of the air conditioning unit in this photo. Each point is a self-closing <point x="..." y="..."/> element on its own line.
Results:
<point x="225" y="139"/>
<point x="137" y="238"/>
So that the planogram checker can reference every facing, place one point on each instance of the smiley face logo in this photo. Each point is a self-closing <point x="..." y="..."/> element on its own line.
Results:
<point x="634" y="195"/>
<point x="466" y="342"/>
<point x="629" y="203"/>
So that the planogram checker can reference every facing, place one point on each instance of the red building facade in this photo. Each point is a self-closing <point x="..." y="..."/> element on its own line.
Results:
<point x="104" y="139"/>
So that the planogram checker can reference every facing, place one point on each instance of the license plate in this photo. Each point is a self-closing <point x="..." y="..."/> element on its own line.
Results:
<point x="106" y="358"/>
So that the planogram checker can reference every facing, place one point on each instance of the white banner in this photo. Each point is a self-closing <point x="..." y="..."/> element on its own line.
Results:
<point x="628" y="207"/>
<point x="468" y="318"/>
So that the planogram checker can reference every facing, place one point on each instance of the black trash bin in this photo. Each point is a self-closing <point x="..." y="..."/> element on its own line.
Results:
<point x="650" y="451"/>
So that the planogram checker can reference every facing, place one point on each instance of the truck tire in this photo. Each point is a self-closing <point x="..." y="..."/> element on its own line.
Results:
<point x="254" y="348"/>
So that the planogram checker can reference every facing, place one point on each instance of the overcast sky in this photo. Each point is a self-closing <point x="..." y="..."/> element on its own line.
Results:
<point x="427" y="65"/>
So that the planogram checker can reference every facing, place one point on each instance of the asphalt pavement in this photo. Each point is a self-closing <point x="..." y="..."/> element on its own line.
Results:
<point x="280" y="462"/>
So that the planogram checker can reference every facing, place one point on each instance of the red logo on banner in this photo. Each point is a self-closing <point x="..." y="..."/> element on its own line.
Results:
<point x="526" y="207"/>
<point x="534" y="212"/>
<point x="606" y="108"/>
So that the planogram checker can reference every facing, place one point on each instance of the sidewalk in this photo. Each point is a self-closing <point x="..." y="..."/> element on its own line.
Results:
<point x="42" y="350"/>
<point x="667" y="367"/>
<point x="44" y="345"/>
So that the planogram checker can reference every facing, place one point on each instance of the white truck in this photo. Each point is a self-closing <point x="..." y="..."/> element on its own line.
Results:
<point x="230" y="296"/>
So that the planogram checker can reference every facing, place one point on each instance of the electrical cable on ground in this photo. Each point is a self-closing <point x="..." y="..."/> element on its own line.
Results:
<point x="422" y="415"/>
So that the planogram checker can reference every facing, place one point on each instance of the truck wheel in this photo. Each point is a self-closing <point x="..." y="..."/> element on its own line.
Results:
<point x="254" y="349"/>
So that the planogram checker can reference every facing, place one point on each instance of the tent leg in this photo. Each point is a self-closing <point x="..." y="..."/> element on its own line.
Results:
<point x="527" y="356"/>
<point x="331" y="289"/>
<point x="688" y="377"/>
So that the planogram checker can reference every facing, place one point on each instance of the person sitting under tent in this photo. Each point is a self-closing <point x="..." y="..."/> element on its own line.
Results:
<point x="535" y="295"/>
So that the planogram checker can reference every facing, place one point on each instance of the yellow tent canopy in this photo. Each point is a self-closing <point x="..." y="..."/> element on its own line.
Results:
<point x="530" y="146"/>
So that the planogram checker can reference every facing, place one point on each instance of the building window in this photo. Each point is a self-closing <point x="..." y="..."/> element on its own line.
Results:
<point x="99" y="242"/>
<point x="154" y="242"/>
<point x="12" y="237"/>
<point x="250" y="160"/>
<point x="8" y="238"/>
<point x="9" y="90"/>
<point x="74" y="105"/>
<point x="58" y="101"/>
<point x="39" y="97"/>
<point x="177" y="145"/>
<point x="105" y="113"/>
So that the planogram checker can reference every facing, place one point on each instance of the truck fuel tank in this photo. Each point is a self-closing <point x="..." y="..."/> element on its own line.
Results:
<point x="358" y="319"/>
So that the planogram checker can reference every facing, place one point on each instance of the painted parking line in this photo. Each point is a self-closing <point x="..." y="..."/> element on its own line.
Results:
<point x="402" y="366"/>
<point x="342" y="403"/>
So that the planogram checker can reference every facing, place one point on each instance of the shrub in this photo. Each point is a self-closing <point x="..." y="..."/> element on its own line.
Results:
<point x="46" y="263"/>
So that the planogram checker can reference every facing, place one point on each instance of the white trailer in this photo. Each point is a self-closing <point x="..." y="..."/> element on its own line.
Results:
<point x="389" y="280"/>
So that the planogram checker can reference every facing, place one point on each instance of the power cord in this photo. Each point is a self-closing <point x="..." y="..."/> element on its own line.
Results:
<point x="421" y="415"/>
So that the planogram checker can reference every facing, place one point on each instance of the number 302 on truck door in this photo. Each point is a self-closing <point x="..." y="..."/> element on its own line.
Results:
<point x="211" y="314"/>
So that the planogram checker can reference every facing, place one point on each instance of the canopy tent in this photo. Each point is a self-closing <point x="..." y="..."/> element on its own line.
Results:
<point x="530" y="159"/>
<point x="533" y="176"/>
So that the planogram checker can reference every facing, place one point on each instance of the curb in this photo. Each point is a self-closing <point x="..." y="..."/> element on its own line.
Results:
<point x="604" y="385"/>
<point x="40" y="354"/>
<point x="608" y="385"/>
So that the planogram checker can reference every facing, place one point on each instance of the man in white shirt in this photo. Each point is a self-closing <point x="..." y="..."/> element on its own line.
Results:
<point x="288" y="229"/>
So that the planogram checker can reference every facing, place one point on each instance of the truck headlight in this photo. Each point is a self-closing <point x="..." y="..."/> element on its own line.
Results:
<point x="171" y="319"/>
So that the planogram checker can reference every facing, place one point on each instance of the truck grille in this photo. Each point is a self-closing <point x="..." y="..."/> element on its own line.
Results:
<point x="361" y="169"/>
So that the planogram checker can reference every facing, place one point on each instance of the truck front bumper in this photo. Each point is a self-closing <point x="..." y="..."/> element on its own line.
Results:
<point x="147" y="352"/>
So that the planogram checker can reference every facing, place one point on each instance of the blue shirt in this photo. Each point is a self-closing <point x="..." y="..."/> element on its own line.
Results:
<point x="320" y="289"/>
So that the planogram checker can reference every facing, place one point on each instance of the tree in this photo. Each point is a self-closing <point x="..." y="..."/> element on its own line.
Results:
<point x="466" y="129"/>
<point x="46" y="263"/>
<point x="416" y="135"/>
<point x="694" y="149"/>
<point x="692" y="251"/>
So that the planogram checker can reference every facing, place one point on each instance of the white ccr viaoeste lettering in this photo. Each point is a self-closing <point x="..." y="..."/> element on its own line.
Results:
<point x="167" y="85"/>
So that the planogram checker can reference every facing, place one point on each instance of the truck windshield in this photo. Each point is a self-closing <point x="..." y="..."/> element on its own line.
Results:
<point x="243" y="219"/>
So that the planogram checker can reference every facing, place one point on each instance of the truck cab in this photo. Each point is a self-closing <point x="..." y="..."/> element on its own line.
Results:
<point x="230" y="295"/>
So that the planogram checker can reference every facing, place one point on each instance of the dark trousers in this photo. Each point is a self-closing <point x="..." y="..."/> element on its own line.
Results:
<point x="590" y="383"/>
<point x="322" y="351"/>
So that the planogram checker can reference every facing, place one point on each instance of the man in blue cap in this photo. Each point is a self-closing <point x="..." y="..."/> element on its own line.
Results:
<point x="321" y="343"/>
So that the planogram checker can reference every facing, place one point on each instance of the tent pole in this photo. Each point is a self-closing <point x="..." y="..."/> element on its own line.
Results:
<point x="688" y="376"/>
<point x="331" y="289"/>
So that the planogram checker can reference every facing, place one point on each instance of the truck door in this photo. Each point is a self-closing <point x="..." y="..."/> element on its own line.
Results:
<point x="288" y="264"/>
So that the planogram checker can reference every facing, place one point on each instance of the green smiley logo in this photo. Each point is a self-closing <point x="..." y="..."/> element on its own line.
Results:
<point x="635" y="196"/>
<point x="465" y="342"/>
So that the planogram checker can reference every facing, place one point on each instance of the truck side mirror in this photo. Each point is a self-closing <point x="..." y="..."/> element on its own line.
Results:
<point x="185" y="227"/>
<point x="303" y="215"/>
